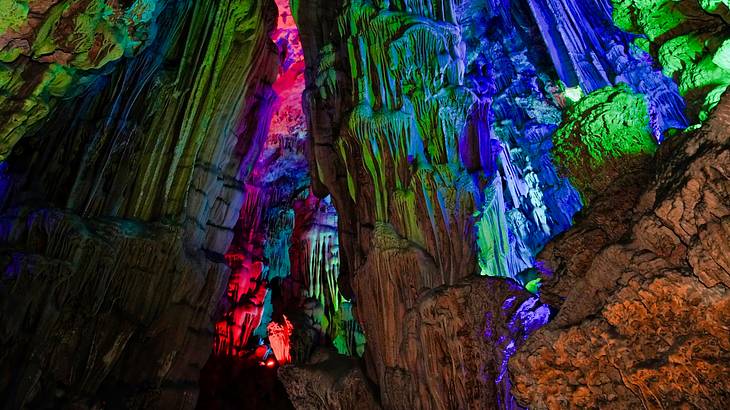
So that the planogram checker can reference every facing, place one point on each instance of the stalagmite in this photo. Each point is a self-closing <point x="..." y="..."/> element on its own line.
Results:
<point x="279" y="335"/>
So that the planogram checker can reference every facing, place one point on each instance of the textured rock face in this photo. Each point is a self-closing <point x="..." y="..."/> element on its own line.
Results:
<point x="644" y="316"/>
<point x="109" y="302"/>
<point x="285" y="253"/>
<point x="150" y="210"/>
<point x="366" y="157"/>
<point x="453" y="354"/>
<point x="589" y="51"/>
<point x="102" y="310"/>
<point x="459" y="339"/>
<point x="329" y="381"/>
<point x="691" y="41"/>
<point x="425" y="157"/>
<point x="603" y="137"/>
<point x="57" y="48"/>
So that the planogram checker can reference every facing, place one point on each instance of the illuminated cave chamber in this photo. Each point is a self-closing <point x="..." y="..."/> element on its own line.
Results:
<point x="364" y="204"/>
<point x="285" y="249"/>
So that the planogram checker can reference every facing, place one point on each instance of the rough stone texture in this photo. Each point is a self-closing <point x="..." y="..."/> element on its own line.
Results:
<point x="425" y="157"/>
<point x="95" y="309"/>
<point x="459" y="339"/>
<point x="328" y="381"/>
<point x="606" y="220"/>
<point x="603" y="137"/>
<point x="426" y="116"/>
<point x="284" y="257"/>
<point x="690" y="40"/>
<point x="588" y="50"/>
<point x="165" y="136"/>
<point x="56" y="49"/>
<point x="646" y="323"/>
<point x="385" y="200"/>
<point x="453" y="353"/>
<point x="109" y="302"/>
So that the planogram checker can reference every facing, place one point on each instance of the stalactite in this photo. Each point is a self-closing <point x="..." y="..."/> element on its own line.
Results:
<point x="592" y="53"/>
<point x="413" y="167"/>
<point x="513" y="121"/>
<point x="492" y="236"/>
<point x="132" y="163"/>
<point x="33" y="39"/>
<point x="317" y="246"/>
<point x="447" y="136"/>
<point x="259" y="254"/>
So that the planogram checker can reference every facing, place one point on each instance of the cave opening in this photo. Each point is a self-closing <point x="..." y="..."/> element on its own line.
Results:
<point x="282" y="300"/>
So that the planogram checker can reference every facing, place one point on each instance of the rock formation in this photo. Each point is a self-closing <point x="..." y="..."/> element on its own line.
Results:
<point x="445" y="151"/>
<point x="57" y="49"/>
<point x="118" y="204"/>
<point x="283" y="300"/>
<point x="604" y="136"/>
<point x="286" y="238"/>
<point x="690" y="39"/>
<point x="644" y="304"/>
<point x="328" y="381"/>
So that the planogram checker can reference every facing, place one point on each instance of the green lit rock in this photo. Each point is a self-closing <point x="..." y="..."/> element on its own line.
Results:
<point x="52" y="50"/>
<point x="602" y="136"/>
<point x="690" y="39"/>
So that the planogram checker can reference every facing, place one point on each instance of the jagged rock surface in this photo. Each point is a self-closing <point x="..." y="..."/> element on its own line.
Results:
<point x="55" y="49"/>
<point x="424" y="157"/>
<point x="95" y="309"/>
<point x="453" y="354"/>
<point x="459" y="339"/>
<point x="690" y="40"/>
<point x="588" y="50"/>
<point x="329" y="381"/>
<point x="431" y="124"/>
<point x="384" y="197"/>
<point x="645" y="314"/>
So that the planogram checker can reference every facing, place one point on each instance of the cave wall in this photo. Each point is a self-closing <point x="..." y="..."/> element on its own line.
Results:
<point x="133" y="126"/>
<point x="403" y="142"/>
<point x="642" y="286"/>
<point x="285" y="251"/>
<point x="689" y="39"/>
<point x="640" y="280"/>
<point x="444" y="131"/>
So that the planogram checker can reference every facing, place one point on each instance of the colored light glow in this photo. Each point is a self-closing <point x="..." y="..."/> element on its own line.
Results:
<point x="573" y="93"/>
<point x="533" y="286"/>
<point x="599" y="133"/>
<point x="260" y="249"/>
<point x="290" y="83"/>
<point x="694" y="55"/>
<point x="285" y="236"/>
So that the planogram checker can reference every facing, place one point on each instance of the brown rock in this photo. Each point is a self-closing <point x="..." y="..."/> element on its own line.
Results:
<point x="647" y="323"/>
<point x="329" y="381"/>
